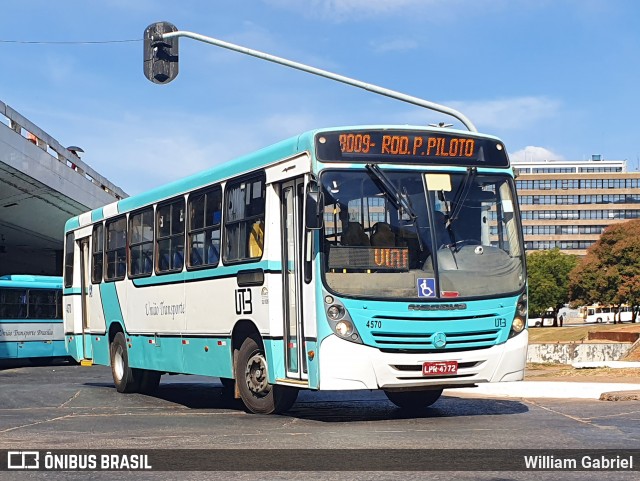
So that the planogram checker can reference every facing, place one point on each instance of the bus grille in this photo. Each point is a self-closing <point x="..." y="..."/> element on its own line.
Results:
<point x="422" y="342"/>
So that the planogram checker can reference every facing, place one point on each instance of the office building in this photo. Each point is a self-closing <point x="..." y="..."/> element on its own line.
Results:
<point x="568" y="204"/>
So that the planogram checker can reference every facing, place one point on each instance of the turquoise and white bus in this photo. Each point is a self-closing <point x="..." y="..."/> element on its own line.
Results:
<point x="31" y="318"/>
<point x="368" y="257"/>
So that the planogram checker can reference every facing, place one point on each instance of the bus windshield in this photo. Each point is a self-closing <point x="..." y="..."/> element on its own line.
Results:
<point x="417" y="235"/>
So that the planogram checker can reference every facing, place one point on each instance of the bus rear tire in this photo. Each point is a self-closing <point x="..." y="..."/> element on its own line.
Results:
<point x="414" y="400"/>
<point x="124" y="378"/>
<point x="256" y="393"/>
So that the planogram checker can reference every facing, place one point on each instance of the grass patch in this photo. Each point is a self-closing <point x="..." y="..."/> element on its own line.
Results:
<point x="541" y="335"/>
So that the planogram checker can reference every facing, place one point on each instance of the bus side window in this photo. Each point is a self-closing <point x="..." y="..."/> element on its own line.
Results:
<point x="203" y="231"/>
<point x="141" y="242"/>
<point x="97" y="257"/>
<point x="116" y="249"/>
<point x="13" y="303"/>
<point x="170" y="230"/>
<point x="68" y="260"/>
<point x="244" y="219"/>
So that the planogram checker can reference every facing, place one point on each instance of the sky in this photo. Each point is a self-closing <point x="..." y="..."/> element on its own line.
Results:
<point x="554" y="79"/>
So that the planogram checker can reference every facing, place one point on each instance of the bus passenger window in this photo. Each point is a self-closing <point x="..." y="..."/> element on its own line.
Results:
<point x="170" y="236"/>
<point x="68" y="260"/>
<point x="141" y="243"/>
<point x="97" y="258"/>
<point x="116" y="249"/>
<point x="13" y="303"/>
<point x="203" y="238"/>
<point x="244" y="219"/>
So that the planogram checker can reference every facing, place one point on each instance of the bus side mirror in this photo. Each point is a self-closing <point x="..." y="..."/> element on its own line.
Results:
<point x="314" y="209"/>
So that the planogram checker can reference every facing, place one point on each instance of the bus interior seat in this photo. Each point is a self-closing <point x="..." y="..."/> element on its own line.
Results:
<point x="382" y="235"/>
<point x="196" y="256"/>
<point x="354" y="235"/>
<point x="213" y="254"/>
<point x="121" y="268"/>
<point x="178" y="258"/>
<point x="256" y="239"/>
<point x="147" y="263"/>
<point x="163" y="263"/>
<point x="135" y="266"/>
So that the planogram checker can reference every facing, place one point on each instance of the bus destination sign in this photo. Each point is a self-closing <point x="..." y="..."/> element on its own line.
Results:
<point x="377" y="258"/>
<point x="392" y="146"/>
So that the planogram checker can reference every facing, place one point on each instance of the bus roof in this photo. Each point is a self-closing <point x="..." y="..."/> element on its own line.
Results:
<point x="245" y="164"/>
<point x="31" y="281"/>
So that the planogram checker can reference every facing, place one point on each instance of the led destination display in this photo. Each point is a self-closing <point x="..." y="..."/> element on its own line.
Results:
<point x="412" y="147"/>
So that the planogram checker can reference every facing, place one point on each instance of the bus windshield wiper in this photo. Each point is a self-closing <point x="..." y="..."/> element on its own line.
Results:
<point x="458" y="201"/>
<point x="398" y="199"/>
<point x="461" y="195"/>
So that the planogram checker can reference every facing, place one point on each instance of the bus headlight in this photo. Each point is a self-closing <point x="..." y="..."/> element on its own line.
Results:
<point x="519" y="322"/>
<point x="335" y="312"/>
<point x="344" y="328"/>
<point x="522" y="306"/>
<point x="340" y="321"/>
<point x="517" y="326"/>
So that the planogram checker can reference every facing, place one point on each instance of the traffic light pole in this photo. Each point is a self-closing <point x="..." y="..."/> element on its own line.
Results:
<point x="322" y="73"/>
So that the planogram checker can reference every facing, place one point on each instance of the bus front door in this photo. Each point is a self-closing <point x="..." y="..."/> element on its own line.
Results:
<point x="292" y="193"/>
<point x="85" y="285"/>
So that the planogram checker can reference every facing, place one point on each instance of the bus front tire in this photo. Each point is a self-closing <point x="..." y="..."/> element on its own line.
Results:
<point x="124" y="377"/>
<point x="256" y="393"/>
<point x="414" y="400"/>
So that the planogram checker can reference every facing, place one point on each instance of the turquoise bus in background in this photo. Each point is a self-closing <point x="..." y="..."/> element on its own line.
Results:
<point x="366" y="257"/>
<point x="31" y="317"/>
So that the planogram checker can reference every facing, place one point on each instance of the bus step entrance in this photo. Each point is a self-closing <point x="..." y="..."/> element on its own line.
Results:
<point x="86" y="362"/>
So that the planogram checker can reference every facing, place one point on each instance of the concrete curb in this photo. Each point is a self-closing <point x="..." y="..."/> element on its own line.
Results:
<point x="620" y="396"/>
<point x="552" y="389"/>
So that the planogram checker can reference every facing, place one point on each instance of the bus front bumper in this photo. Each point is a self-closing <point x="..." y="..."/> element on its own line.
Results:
<point x="345" y="365"/>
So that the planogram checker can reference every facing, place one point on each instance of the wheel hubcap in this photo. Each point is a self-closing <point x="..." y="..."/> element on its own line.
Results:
<point x="118" y="364"/>
<point x="256" y="375"/>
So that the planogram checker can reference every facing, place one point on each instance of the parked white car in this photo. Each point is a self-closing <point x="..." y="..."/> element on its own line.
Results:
<point x="540" y="322"/>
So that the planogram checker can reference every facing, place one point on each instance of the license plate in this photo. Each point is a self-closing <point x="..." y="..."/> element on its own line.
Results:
<point x="438" y="368"/>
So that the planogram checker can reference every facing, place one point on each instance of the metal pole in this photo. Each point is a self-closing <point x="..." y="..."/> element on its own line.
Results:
<point x="324" y="73"/>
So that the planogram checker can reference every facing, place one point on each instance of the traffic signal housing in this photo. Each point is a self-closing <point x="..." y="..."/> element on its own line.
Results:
<point x="160" y="56"/>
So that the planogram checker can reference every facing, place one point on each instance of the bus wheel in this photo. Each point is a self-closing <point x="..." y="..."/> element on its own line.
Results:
<point x="149" y="380"/>
<point x="123" y="376"/>
<point x="414" y="399"/>
<point x="257" y="394"/>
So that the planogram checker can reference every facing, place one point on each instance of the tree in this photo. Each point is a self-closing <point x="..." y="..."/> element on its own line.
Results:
<point x="549" y="280"/>
<point x="610" y="272"/>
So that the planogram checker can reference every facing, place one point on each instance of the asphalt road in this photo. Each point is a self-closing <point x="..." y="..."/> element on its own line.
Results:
<point x="73" y="407"/>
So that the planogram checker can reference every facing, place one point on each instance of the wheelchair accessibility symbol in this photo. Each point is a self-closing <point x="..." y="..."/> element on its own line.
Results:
<point x="426" y="287"/>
